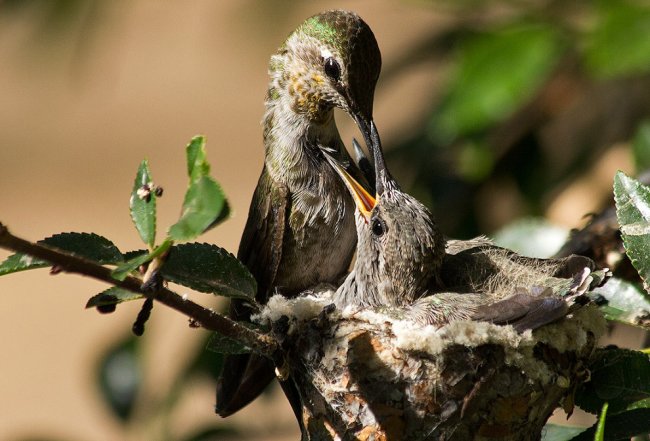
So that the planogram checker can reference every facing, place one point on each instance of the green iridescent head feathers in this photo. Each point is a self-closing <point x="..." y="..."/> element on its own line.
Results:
<point x="343" y="37"/>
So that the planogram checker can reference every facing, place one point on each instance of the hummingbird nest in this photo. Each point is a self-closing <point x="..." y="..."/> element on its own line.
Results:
<point x="364" y="375"/>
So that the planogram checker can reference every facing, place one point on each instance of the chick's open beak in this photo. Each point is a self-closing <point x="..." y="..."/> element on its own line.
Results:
<point x="364" y="201"/>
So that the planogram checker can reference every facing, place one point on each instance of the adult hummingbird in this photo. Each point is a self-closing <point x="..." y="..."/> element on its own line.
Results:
<point x="300" y="229"/>
<point x="405" y="268"/>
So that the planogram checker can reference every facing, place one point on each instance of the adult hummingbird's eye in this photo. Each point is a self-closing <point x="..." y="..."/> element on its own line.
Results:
<point x="332" y="68"/>
<point x="378" y="227"/>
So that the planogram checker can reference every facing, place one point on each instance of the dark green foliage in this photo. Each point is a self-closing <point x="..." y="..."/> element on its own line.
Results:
<point x="112" y="296"/>
<point x="126" y="268"/>
<point x="223" y="345"/>
<point x="619" y="44"/>
<point x="633" y="213"/>
<point x="87" y="245"/>
<point x="497" y="71"/>
<point x="622" y="426"/>
<point x="120" y="377"/>
<point x="525" y="108"/>
<point x="209" y="268"/>
<point x="641" y="147"/>
<point x="619" y="377"/>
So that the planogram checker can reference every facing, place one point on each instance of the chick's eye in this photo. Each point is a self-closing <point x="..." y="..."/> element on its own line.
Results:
<point x="332" y="68"/>
<point x="378" y="227"/>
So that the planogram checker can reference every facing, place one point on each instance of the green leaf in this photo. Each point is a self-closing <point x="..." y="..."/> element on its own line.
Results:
<point x="209" y="268"/>
<point x="21" y="262"/>
<point x="556" y="432"/>
<point x="622" y="426"/>
<point x="120" y="377"/>
<point x="205" y="203"/>
<point x="112" y="296"/>
<point x="123" y="270"/>
<point x="619" y="44"/>
<point x="223" y="215"/>
<point x="86" y="245"/>
<point x="496" y="73"/>
<point x="641" y="147"/>
<point x="619" y="377"/>
<point x="641" y="404"/>
<point x="225" y="345"/>
<point x="533" y="237"/>
<point x="600" y="428"/>
<point x="126" y="268"/>
<point x="626" y="303"/>
<point x="197" y="164"/>
<point x="633" y="213"/>
<point x="143" y="205"/>
<point x="134" y="253"/>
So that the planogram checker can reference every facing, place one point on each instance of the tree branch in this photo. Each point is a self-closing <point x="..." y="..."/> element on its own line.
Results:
<point x="206" y="318"/>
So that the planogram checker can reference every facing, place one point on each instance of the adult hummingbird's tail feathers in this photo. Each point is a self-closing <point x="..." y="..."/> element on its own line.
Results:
<point x="253" y="373"/>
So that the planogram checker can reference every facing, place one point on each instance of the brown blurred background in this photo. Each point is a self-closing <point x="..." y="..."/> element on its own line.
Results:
<point x="80" y="107"/>
<point x="86" y="95"/>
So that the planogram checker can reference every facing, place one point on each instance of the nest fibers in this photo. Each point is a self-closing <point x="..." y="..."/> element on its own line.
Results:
<point x="366" y="375"/>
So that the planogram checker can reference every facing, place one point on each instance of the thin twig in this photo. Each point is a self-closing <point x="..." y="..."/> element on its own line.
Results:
<point x="207" y="318"/>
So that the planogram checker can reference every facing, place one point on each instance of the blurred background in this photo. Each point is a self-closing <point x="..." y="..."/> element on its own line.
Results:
<point x="494" y="113"/>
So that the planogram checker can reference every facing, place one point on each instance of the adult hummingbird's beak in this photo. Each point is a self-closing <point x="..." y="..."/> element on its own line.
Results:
<point x="364" y="126"/>
<point x="364" y="201"/>
<point x="383" y="178"/>
<point x="371" y="137"/>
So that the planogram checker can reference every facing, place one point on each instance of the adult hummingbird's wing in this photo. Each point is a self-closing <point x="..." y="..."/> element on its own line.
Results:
<point x="260" y="248"/>
<point x="244" y="376"/>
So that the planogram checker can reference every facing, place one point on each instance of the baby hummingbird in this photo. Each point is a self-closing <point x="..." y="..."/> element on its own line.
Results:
<point x="400" y="248"/>
<point x="405" y="269"/>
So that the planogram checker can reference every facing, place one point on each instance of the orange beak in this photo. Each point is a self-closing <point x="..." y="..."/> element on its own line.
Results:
<point x="364" y="201"/>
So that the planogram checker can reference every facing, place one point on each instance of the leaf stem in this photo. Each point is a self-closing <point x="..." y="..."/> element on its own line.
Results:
<point x="205" y="317"/>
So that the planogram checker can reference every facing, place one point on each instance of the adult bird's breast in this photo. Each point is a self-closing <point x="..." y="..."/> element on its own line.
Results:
<point x="320" y="236"/>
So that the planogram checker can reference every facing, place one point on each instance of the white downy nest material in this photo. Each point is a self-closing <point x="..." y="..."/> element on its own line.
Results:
<point x="569" y="334"/>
